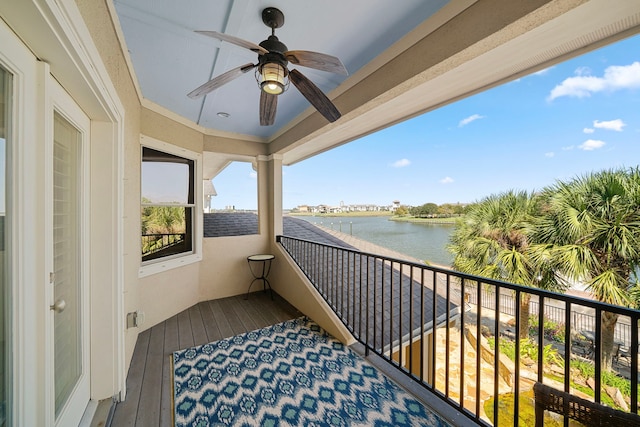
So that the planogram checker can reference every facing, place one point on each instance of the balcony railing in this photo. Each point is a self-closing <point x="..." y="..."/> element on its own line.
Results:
<point x="154" y="243"/>
<point x="427" y="323"/>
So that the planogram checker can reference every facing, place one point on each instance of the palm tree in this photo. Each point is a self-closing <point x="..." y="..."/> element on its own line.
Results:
<point x="169" y="218"/>
<point x="592" y="226"/>
<point x="493" y="240"/>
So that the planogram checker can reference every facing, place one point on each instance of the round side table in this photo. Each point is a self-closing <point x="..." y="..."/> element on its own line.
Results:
<point x="260" y="266"/>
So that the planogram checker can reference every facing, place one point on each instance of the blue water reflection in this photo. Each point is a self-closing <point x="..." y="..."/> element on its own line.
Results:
<point x="418" y="240"/>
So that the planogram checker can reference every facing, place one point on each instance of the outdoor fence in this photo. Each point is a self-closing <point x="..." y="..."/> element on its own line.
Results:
<point x="580" y="321"/>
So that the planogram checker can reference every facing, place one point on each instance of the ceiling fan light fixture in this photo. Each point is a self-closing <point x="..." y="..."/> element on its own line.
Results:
<point x="272" y="78"/>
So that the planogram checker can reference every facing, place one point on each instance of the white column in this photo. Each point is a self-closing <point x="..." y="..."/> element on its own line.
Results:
<point x="270" y="194"/>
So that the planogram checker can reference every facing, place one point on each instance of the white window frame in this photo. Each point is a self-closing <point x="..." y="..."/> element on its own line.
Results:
<point x="159" y="265"/>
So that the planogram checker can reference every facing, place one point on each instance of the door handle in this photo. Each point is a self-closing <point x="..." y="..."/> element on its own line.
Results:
<point x="58" y="306"/>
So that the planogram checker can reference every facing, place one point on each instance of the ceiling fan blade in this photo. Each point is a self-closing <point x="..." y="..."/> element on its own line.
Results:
<point x="268" y="106"/>
<point x="235" y="40"/>
<point x="222" y="79"/>
<point x="314" y="95"/>
<point x="319" y="61"/>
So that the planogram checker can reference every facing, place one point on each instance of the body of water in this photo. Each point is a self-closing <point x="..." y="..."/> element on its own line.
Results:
<point x="422" y="241"/>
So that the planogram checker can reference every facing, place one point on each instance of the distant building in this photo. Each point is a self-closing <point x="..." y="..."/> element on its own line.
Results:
<point x="325" y="209"/>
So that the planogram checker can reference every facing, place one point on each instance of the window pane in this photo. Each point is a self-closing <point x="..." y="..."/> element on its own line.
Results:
<point x="66" y="255"/>
<point x="168" y="184"/>
<point x="165" y="178"/>
<point x="166" y="230"/>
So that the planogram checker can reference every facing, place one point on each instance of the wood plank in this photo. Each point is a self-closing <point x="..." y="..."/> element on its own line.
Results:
<point x="197" y="326"/>
<point x="242" y="311"/>
<point x="126" y="411"/>
<point x="275" y="314"/>
<point x="232" y="317"/>
<point x="268" y="309"/>
<point x="185" y="334"/>
<point x="210" y="325"/>
<point x="170" y="345"/>
<point x="286" y="309"/>
<point x="149" y="403"/>
<point x="221" y="319"/>
<point x="255" y="311"/>
<point x="278" y="310"/>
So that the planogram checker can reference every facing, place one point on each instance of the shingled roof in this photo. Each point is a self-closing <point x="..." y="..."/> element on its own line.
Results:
<point x="224" y="224"/>
<point x="395" y="294"/>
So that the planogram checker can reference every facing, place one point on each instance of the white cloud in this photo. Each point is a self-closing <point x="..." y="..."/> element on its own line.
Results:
<point x="542" y="72"/>
<point x="616" y="77"/>
<point x="469" y="119"/>
<point x="549" y="154"/>
<point x="253" y="175"/>
<point x="588" y="130"/>
<point x="583" y="71"/>
<point x="592" y="144"/>
<point x="568" y="148"/>
<point x="401" y="163"/>
<point x="446" y="180"/>
<point x="616" y="125"/>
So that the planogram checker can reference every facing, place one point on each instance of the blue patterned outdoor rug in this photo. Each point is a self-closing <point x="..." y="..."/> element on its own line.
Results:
<point x="290" y="374"/>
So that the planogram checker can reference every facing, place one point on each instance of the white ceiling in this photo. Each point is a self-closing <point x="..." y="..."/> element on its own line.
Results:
<point x="170" y="59"/>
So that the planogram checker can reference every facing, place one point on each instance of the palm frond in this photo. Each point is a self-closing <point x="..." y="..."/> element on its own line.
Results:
<point x="609" y="287"/>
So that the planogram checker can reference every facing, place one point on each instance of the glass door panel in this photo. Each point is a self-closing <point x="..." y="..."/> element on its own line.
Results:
<point x="66" y="260"/>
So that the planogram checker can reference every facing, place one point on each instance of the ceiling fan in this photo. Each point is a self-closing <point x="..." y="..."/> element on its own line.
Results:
<point x="272" y="73"/>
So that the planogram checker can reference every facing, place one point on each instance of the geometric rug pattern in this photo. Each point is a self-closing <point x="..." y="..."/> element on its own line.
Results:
<point x="289" y="374"/>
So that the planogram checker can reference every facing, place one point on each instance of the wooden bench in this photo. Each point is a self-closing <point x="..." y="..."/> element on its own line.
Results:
<point x="584" y="411"/>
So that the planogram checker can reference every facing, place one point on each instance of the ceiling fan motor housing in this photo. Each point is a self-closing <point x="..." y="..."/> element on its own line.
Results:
<point x="273" y="45"/>
<point x="276" y="53"/>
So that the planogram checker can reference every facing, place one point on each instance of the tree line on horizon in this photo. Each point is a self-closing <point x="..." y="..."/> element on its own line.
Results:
<point x="432" y="210"/>
<point x="586" y="229"/>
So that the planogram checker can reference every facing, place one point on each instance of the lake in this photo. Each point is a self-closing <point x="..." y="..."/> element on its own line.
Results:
<point x="418" y="240"/>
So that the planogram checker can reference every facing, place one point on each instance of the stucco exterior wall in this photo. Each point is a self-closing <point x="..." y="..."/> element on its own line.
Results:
<point x="159" y="127"/>
<point x="224" y="271"/>
<point x="97" y="17"/>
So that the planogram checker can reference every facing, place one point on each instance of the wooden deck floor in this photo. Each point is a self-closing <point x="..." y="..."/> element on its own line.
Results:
<point x="148" y="401"/>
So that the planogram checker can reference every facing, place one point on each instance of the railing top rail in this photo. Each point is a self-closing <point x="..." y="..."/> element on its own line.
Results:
<point x="632" y="313"/>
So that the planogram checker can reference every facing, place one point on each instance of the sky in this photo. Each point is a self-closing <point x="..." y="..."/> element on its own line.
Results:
<point x="573" y="118"/>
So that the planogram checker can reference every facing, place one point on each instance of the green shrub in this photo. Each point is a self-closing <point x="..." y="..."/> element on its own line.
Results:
<point x="528" y="348"/>
<point x="553" y="331"/>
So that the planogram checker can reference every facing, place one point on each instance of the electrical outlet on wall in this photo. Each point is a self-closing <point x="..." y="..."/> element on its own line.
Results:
<point x="135" y="319"/>
<point x="139" y="318"/>
<point x="132" y="319"/>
